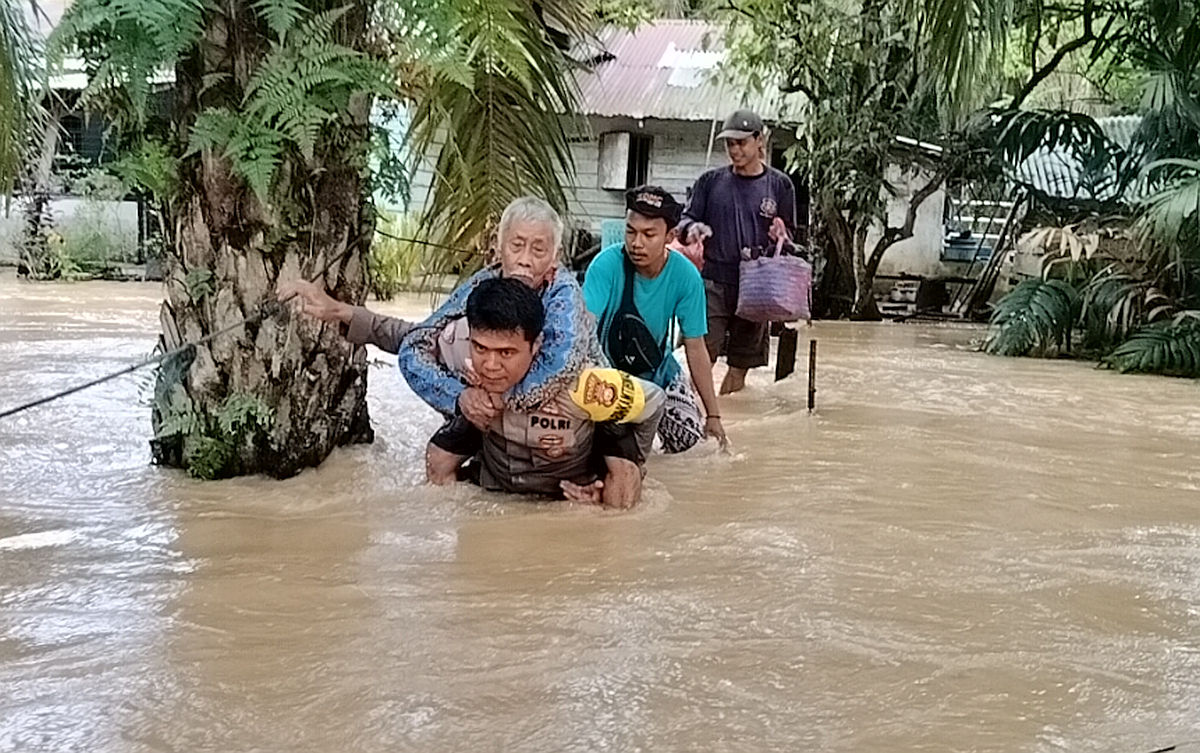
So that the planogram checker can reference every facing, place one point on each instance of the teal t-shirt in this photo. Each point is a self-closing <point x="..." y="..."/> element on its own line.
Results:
<point x="676" y="294"/>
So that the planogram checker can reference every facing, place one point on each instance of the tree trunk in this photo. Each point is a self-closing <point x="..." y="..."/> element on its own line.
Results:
<point x="865" y="308"/>
<point x="35" y="259"/>
<point x="278" y="395"/>
<point x="833" y="297"/>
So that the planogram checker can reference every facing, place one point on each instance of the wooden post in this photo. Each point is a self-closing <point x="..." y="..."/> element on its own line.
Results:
<point x="812" y="374"/>
<point x="785" y="359"/>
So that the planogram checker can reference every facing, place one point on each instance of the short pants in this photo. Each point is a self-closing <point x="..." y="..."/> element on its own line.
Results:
<point x="744" y="343"/>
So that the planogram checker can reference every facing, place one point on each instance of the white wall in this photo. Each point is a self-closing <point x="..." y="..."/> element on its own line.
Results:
<point x="920" y="254"/>
<point x="677" y="153"/>
<point x="118" y="219"/>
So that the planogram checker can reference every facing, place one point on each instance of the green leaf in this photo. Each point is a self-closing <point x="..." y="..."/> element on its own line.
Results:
<point x="281" y="15"/>
<point x="1036" y="318"/>
<point x="1170" y="347"/>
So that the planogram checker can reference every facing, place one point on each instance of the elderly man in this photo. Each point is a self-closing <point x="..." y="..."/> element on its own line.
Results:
<point x="637" y="290"/>
<point x="737" y="206"/>
<point x="530" y="239"/>
<point x="586" y="442"/>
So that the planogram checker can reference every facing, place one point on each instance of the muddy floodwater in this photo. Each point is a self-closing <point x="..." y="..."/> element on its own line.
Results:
<point x="954" y="553"/>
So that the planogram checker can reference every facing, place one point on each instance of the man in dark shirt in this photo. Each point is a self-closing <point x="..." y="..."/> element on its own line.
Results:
<point x="735" y="207"/>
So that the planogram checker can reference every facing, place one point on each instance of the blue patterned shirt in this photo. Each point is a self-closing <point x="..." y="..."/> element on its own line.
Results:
<point x="569" y="344"/>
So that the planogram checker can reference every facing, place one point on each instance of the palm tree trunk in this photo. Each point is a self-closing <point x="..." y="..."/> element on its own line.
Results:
<point x="35" y="254"/>
<point x="226" y="253"/>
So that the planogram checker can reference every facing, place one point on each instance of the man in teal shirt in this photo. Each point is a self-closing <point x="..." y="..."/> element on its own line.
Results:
<point x="635" y="329"/>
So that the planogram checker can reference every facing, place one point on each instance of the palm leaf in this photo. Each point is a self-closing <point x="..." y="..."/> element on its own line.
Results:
<point x="1036" y="318"/>
<point x="1172" y="212"/>
<point x="1113" y="304"/>
<point x="966" y="43"/>
<point x="497" y="133"/>
<point x="1169" y="347"/>
<point x="20" y="93"/>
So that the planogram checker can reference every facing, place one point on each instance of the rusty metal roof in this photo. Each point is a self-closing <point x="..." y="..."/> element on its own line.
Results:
<point x="668" y="70"/>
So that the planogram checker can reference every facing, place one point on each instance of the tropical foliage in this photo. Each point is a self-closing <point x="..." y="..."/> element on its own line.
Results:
<point x="1170" y="347"/>
<point x="1138" y="309"/>
<point x="494" y="119"/>
<point x="397" y="257"/>
<point x="1035" y="319"/>
<point x="19" y="90"/>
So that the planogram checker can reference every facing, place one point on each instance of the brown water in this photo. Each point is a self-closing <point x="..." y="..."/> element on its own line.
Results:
<point x="956" y="553"/>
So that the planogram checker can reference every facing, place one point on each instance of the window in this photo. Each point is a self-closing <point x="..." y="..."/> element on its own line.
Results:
<point x="639" y="161"/>
<point x="624" y="160"/>
<point x="72" y="127"/>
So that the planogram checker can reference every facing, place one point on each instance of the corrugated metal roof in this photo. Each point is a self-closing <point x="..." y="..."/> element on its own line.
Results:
<point x="1059" y="173"/>
<point x="668" y="70"/>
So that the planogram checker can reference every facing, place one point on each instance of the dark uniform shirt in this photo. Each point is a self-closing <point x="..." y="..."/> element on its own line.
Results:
<point x="740" y="210"/>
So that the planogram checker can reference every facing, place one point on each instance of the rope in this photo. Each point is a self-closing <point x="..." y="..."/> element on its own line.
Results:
<point x="268" y="309"/>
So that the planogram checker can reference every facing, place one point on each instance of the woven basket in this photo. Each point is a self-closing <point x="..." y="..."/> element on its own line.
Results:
<point x="774" y="289"/>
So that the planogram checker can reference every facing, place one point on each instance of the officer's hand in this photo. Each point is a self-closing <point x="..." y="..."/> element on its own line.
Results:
<point x="478" y="407"/>
<point x="592" y="494"/>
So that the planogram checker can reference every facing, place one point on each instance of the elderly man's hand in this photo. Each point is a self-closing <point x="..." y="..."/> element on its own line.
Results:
<point x="479" y="406"/>
<point x="315" y="302"/>
<point x="697" y="231"/>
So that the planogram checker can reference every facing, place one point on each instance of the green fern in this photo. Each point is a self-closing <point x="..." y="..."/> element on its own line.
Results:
<point x="199" y="283"/>
<point x="1036" y="318"/>
<point x="280" y="15"/>
<point x="241" y="413"/>
<point x="210" y="441"/>
<point x="151" y="167"/>
<point x="208" y="458"/>
<point x="292" y="97"/>
<point x="130" y="42"/>
<point x="1169" y="347"/>
<point x="180" y="418"/>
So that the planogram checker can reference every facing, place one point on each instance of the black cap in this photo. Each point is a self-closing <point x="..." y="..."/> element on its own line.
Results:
<point x="742" y="124"/>
<point x="654" y="201"/>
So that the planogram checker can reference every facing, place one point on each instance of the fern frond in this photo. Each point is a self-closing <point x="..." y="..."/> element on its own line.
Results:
<point x="128" y="42"/>
<point x="281" y="15"/>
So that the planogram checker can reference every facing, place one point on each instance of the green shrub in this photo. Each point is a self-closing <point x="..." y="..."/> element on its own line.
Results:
<point x="393" y="262"/>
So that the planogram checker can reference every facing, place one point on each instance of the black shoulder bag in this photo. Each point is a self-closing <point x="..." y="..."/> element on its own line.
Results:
<point x="631" y="346"/>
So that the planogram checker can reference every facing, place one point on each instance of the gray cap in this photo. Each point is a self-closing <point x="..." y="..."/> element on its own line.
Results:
<point x="741" y="124"/>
